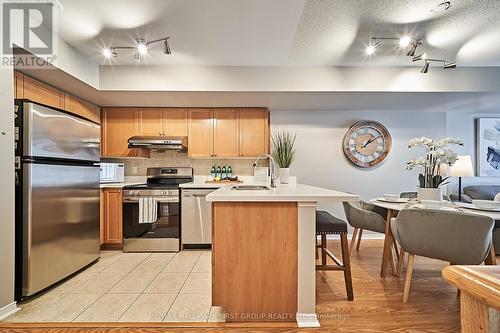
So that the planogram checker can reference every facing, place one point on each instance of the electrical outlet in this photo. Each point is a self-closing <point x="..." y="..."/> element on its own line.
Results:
<point x="134" y="170"/>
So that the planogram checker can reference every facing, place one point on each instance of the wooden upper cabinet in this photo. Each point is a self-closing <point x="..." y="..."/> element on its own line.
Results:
<point x="18" y="85"/>
<point x="40" y="92"/>
<point x="82" y="108"/>
<point x="175" y="122"/>
<point x="200" y="143"/>
<point x="150" y="121"/>
<point x="253" y="132"/>
<point x="118" y="125"/>
<point x="225" y="132"/>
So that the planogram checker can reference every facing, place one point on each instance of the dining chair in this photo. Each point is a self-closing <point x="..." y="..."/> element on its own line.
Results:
<point x="362" y="215"/>
<point x="455" y="237"/>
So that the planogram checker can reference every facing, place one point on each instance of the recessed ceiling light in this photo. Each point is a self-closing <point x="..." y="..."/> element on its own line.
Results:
<point x="442" y="7"/>
<point x="404" y="41"/>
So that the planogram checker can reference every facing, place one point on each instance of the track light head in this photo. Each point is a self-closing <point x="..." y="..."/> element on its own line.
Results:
<point x="166" y="47"/>
<point x="419" y="57"/>
<point x="404" y="41"/>
<point x="414" y="46"/>
<point x="109" y="53"/>
<point x="370" y="49"/>
<point x="448" y="65"/>
<point x="425" y="69"/>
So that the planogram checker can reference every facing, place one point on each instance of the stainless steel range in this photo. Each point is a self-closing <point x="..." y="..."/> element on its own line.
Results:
<point x="162" y="190"/>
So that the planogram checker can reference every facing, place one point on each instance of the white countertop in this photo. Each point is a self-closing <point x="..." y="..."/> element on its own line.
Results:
<point x="199" y="182"/>
<point x="289" y="192"/>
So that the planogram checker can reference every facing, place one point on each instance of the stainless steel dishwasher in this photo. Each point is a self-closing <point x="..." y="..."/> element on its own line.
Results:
<point x="196" y="217"/>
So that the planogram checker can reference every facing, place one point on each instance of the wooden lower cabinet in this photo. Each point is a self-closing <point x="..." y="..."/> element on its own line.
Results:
<point x="254" y="260"/>
<point x="111" y="216"/>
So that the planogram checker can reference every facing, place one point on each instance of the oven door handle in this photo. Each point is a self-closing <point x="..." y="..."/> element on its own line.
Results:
<point x="162" y="200"/>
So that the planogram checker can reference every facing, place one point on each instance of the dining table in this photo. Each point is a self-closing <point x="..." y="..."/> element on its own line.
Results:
<point x="393" y="208"/>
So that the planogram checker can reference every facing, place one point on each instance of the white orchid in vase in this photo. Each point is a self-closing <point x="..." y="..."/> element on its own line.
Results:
<point x="437" y="153"/>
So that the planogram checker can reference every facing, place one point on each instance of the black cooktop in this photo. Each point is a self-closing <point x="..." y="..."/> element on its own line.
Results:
<point x="160" y="183"/>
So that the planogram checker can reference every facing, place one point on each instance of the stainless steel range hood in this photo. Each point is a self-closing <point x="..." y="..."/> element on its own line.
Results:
<point x="178" y="143"/>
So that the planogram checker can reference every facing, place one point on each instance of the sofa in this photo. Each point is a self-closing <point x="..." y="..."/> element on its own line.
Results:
<point x="484" y="192"/>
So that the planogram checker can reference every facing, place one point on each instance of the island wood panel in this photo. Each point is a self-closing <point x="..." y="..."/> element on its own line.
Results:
<point x="200" y="142"/>
<point x="254" y="258"/>
<point x="118" y="125"/>
<point x="254" y="132"/>
<point x="175" y="122"/>
<point x="42" y="93"/>
<point x="225" y="132"/>
<point x="113" y="219"/>
<point x="149" y="121"/>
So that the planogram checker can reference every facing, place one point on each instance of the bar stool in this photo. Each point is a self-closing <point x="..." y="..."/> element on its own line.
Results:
<point x="326" y="224"/>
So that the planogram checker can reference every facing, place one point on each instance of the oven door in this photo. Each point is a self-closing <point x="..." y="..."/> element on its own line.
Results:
<point x="167" y="224"/>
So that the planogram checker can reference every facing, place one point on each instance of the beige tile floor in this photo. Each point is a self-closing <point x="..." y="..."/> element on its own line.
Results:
<point x="130" y="287"/>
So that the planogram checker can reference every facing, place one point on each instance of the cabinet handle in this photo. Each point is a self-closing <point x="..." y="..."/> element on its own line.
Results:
<point x="215" y="155"/>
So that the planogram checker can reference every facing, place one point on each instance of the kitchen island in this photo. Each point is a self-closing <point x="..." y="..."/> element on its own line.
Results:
<point x="263" y="252"/>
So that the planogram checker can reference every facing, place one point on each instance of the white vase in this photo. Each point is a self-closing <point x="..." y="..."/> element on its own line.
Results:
<point x="284" y="174"/>
<point x="430" y="193"/>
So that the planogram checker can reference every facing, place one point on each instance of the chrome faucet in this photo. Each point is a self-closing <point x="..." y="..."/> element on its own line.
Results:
<point x="272" y="163"/>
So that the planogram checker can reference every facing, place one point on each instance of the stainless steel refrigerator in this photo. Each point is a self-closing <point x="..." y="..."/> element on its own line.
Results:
<point x="57" y="195"/>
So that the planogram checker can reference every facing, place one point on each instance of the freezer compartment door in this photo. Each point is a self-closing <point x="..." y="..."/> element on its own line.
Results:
<point x="61" y="222"/>
<point x="196" y="217"/>
<point x="54" y="134"/>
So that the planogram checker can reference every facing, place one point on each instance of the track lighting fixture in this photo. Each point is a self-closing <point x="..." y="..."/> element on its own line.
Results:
<point x="140" y="49"/>
<point x="446" y="64"/>
<point x="414" y="43"/>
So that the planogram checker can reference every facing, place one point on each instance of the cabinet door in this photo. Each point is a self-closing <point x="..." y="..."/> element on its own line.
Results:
<point x="254" y="132"/>
<point x="117" y="127"/>
<point x="102" y="220"/>
<point x="40" y="92"/>
<point x="200" y="142"/>
<point x="225" y="132"/>
<point x="113" y="216"/>
<point x="82" y="108"/>
<point x="175" y="122"/>
<point x="150" y="121"/>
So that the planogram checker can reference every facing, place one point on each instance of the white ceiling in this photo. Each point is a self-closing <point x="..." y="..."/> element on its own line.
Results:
<point x="283" y="32"/>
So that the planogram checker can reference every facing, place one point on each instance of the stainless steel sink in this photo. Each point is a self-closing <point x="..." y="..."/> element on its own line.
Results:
<point x="250" y="188"/>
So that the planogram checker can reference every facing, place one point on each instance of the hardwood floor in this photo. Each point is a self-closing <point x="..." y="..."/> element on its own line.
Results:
<point x="433" y="305"/>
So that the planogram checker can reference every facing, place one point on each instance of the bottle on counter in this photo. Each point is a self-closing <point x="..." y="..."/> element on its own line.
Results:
<point x="224" y="173"/>
<point x="229" y="171"/>
<point x="218" y="172"/>
<point x="213" y="173"/>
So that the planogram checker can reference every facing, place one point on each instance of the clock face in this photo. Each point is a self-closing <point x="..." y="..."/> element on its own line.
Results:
<point x="367" y="144"/>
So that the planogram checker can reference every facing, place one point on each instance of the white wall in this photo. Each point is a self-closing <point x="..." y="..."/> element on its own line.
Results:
<point x="7" y="186"/>
<point x="320" y="160"/>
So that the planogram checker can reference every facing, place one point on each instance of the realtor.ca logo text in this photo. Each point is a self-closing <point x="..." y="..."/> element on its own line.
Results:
<point x="29" y="38"/>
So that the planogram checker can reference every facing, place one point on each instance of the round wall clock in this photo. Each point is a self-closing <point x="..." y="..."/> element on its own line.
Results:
<point x="367" y="143"/>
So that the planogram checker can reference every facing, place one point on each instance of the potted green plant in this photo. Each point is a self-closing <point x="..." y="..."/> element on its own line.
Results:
<point x="437" y="154"/>
<point x="284" y="153"/>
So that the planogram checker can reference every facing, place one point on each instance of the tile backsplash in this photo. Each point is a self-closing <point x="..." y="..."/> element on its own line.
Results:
<point x="201" y="167"/>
